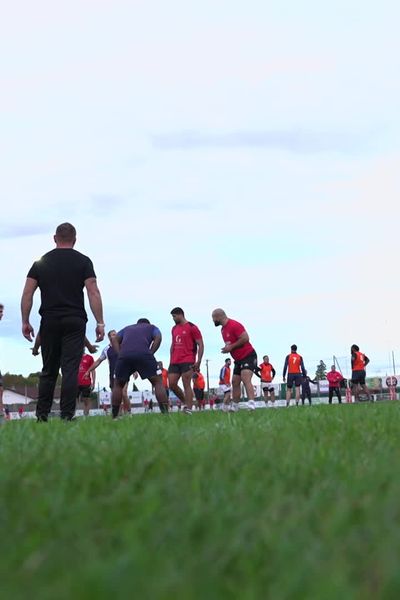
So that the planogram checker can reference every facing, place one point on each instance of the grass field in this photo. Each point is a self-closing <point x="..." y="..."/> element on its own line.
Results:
<point x="297" y="503"/>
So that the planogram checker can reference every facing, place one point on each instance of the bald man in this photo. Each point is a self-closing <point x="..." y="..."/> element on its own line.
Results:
<point x="237" y="343"/>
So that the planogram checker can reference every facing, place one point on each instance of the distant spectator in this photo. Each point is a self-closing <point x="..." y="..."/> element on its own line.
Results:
<point x="335" y="380"/>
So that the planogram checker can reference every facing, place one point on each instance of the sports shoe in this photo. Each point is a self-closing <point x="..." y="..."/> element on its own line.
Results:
<point x="187" y="411"/>
<point x="234" y="407"/>
<point x="251" y="405"/>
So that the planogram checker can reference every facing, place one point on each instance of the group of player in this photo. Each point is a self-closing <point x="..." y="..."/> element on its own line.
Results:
<point x="131" y="353"/>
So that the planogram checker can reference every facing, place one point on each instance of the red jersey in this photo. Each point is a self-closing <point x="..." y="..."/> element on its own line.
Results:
<point x="199" y="382"/>
<point x="334" y="378"/>
<point x="85" y="364"/>
<point x="266" y="372"/>
<point x="184" y="346"/>
<point x="359" y="361"/>
<point x="225" y="376"/>
<point x="164" y="375"/>
<point x="230" y="334"/>
<point x="294" y="363"/>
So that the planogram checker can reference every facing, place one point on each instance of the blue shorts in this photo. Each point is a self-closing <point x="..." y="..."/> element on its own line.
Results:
<point x="144" y="364"/>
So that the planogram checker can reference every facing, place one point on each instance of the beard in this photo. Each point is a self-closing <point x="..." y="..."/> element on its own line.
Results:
<point x="217" y="323"/>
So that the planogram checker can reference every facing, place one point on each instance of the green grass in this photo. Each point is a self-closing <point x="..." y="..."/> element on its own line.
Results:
<point x="298" y="503"/>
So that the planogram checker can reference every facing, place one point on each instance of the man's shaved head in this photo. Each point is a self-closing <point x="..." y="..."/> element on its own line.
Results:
<point x="218" y="316"/>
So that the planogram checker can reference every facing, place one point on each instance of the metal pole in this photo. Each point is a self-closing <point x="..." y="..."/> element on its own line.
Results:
<point x="208" y="379"/>
<point x="394" y="366"/>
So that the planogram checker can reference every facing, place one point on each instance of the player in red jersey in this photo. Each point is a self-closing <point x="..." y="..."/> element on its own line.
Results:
<point x="238" y="345"/>
<point x="199" y="385"/>
<point x="225" y="384"/>
<point x="359" y="362"/>
<point x="294" y="366"/>
<point x="86" y="382"/>
<point x="267" y="373"/>
<point x="187" y="350"/>
<point x="335" y="379"/>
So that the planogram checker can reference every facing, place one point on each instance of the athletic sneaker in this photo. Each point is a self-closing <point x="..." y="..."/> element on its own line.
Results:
<point x="251" y="405"/>
<point x="187" y="411"/>
<point x="234" y="407"/>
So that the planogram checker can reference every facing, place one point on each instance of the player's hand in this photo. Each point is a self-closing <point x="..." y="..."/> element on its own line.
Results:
<point x="35" y="351"/>
<point x="226" y="349"/>
<point x="100" y="333"/>
<point x="27" y="331"/>
<point x="196" y="366"/>
<point x="92" y="348"/>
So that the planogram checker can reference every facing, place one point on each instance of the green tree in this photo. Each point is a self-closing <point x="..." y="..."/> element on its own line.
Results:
<point x="320" y="373"/>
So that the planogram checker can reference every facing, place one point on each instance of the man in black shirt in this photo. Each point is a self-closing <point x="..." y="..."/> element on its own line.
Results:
<point x="61" y="275"/>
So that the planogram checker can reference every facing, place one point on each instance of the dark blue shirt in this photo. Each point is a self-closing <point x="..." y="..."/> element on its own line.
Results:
<point x="137" y="339"/>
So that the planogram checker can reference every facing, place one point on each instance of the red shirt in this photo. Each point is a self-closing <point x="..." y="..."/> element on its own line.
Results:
<point x="199" y="382"/>
<point x="184" y="347"/>
<point x="334" y="378"/>
<point x="230" y="334"/>
<point x="294" y="363"/>
<point x="225" y="376"/>
<point x="266" y="372"/>
<point x="359" y="361"/>
<point x="85" y="364"/>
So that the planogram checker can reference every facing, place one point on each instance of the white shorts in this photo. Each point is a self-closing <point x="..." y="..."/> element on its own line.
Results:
<point x="267" y="386"/>
<point x="224" y="389"/>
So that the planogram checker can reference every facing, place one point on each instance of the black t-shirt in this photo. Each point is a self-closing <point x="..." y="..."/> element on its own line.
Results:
<point x="61" y="275"/>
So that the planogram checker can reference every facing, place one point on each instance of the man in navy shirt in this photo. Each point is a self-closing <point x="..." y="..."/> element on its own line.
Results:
<point x="136" y="346"/>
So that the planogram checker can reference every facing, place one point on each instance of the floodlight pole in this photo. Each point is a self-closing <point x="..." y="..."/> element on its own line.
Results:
<point x="208" y="379"/>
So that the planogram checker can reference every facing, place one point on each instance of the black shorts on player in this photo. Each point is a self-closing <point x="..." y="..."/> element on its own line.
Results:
<point x="180" y="368"/>
<point x="84" y="391"/>
<point x="294" y="379"/>
<point x="248" y="362"/>
<point x="144" y="364"/>
<point x="358" y="377"/>
<point x="199" y="394"/>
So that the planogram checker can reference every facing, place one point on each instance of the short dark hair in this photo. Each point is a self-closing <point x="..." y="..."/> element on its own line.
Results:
<point x="293" y="348"/>
<point x="143" y="320"/>
<point x="1" y="305"/>
<point x="66" y="232"/>
<point x="355" y="348"/>
<point x="177" y="311"/>
<point x="227" y="360"/>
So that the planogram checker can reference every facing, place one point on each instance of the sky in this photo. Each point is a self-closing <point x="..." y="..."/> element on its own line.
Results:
<point x="242" y="155"/>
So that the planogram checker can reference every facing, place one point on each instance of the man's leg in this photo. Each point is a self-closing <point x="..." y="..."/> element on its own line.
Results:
<point x="116" y="396"/>
<point x="1" y="397"/>
<point x="72" y="343"/>
<point x="272" y="397"/>
<point x="173" y="379"/>
<point x="303" y="396"/>
<point x="187" y="387"/>
<point x="297" y="394"/>
<point x="236" y="381"/>
<point x="366" y="391"/>
<point x="339" y="395"/>
<point x="288" y="395"/>
<point x="125" y="399"/>
<point x="309" y="398"/>
<point x="50" y="333"/>
<point x="161" y="394"/>
<point x="330" y="396"/>
<point x="246" y="377"/>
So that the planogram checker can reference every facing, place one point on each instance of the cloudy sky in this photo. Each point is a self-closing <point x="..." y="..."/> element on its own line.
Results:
<point x="213" y="153"/>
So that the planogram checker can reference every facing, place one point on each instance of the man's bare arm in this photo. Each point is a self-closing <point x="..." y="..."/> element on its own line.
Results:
<point x="26" y="307"/>
<point x="241" y="341"/>
<point x="200" y="352"/>
<point x="96" y="306"/>
<point x="156" y="343"/>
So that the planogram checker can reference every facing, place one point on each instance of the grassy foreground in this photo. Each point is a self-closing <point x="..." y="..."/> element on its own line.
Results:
<point x="297" y="503"/>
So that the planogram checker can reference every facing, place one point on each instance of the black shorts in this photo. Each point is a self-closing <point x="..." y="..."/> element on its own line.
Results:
<point x="358" y="377"/>
<point x="248" y="362"/>
<point x="294" y="379"/>
<point x="180" y="368"/>
<point x="84" y="391"/>
<point x="199" y="394"/>
<point x="144" y="364"/>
